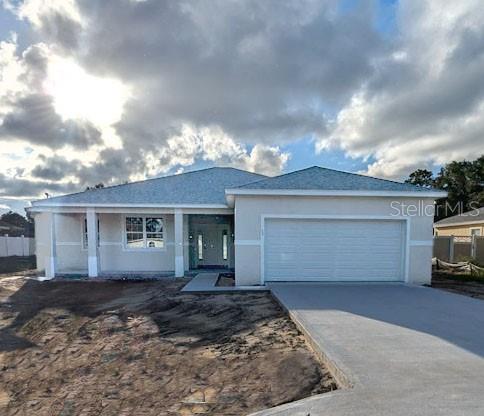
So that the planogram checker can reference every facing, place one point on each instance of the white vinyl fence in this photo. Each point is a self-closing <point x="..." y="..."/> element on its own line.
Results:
<point x="16" y="246"/>
<point x="454" y="248"/>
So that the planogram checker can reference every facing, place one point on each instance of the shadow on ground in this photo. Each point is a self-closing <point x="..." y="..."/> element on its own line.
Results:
<point x="122" y="347"/>
<point x="456" y="319"/>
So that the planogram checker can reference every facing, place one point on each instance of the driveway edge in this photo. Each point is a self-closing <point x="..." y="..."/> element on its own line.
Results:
<point x="342" y="379"/>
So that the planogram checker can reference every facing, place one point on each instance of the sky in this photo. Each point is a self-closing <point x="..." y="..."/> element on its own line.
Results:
<point x="120" y="90"/>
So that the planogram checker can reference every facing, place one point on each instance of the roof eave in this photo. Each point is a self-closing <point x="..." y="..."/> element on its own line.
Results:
<point x="47" y="206"/>
<point x="317" y="192"/>
<point x="458" y="224"/>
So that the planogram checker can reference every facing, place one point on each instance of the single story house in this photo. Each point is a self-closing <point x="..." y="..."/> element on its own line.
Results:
<point x="314" y="224"/>
<point x="468" y="224"/>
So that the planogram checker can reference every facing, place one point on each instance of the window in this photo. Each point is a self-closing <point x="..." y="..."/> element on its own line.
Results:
<point x="144" y="232"/>
<point x="154" y="232"/>
<point x="200" y="247"/>
<point x="475" y="232"/>
<point x="84" y="234"/>
<point x="225" y="248"/>
<point x="134" y="232"/>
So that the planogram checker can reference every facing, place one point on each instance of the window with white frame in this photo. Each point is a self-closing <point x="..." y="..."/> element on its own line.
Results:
<point x="475" y="232"/>
<point x="225" y="245"/>
<point x="85" y="236"/>
<point x="144" y="232"/>
<point x="200" y="246"/>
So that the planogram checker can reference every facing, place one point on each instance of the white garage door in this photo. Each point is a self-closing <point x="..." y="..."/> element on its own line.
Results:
<point x="333" y="250"/>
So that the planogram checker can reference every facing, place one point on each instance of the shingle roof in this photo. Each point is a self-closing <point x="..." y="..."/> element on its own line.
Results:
<point x="202" y="187"/>
<point x="475" y="215"/>
<point x="317" y="178"/>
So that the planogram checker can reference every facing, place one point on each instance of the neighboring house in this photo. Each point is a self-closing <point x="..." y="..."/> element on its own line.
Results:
<point x="467" y="224"/>
<point x="310" y="225"/>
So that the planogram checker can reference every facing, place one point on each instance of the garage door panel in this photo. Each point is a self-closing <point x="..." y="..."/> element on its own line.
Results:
<point x="333" y="250"/>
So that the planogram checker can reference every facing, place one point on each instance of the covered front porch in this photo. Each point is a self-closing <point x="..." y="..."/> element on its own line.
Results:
<point x="160" y="242"/>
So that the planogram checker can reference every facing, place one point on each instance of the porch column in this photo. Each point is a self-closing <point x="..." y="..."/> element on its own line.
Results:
<point x="50" y="258"/>
<point x="179" y="260"/>
<point x="92" y="249"/>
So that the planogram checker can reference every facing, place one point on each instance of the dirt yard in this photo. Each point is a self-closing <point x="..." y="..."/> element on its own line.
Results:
<point x="144" y="348"/>
<point x="17" y="265"/>
<point x="458" y="283"/>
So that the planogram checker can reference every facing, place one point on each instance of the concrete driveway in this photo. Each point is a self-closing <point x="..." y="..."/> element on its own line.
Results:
<point x="405" y="350"/>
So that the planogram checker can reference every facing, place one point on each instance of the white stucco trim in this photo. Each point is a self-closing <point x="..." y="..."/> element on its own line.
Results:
<point x="50" y="266"/>
<point x="179" y="266"/>
<point x="405" y="243"/>
<point x="92" y="266"/>
<point x="51" y="258"/>
<point x="316" y="192"/>
<point x="179" y="255"/>
<point x="421" y="243"/>
<point x="247" y="242"/>
<point x="92" y="243"/>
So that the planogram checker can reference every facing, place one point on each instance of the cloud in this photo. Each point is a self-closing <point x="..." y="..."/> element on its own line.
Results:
<point x="424" y="104"/>
<point x="58" y="20"/>
<point x="29" y="188"/>
<point x="240" y="80"/>
<point x="27" y="113"/>
<point x="214" y="145"/>
<point x="218" y="82"/>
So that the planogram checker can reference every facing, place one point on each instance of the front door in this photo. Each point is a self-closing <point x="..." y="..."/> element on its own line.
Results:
<point x="211" y="245"/>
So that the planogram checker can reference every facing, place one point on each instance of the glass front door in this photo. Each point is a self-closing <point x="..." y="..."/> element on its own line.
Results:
<point x="211" y="245"/>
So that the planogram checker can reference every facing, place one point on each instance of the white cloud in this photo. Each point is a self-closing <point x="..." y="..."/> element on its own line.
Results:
<point x="212" y="144"/>
<point x="424" y="104"/>
<point x="90" y="101"/>
<point x="79" y="95"/>
<point x="37" y="10"/>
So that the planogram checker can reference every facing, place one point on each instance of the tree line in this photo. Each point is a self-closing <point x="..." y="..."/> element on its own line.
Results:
<point x="462" y="180"/>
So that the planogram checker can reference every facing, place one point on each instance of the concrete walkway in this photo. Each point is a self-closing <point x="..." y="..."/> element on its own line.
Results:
<point x="206" y="283"/>
<point x="406" y="350"/>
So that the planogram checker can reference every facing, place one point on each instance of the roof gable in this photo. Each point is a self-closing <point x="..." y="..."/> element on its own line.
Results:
<point x="476" y="215"/>
<point x="323" y="179"/>
<point x="201" y="187"/>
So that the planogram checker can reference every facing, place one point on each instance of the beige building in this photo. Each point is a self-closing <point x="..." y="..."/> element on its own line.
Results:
<point x="310" y="225"/>
<point x="467" y="224"/>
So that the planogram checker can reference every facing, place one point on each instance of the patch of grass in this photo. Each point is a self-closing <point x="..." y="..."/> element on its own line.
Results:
<point x="13" y="264"/>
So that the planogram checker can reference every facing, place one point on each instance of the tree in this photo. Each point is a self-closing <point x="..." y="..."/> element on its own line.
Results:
<point x="14" y="219"/>
<point x="19" y="224"/>
<point x="421" y="177"/>
<point x="97" y="186"/>
<point x="463" y="181"/>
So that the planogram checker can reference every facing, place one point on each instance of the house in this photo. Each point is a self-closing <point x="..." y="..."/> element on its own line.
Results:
<point x="468" y="224"/>
<point x="314" y="224"/>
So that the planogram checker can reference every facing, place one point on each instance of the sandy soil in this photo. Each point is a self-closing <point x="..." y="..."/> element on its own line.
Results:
<point x="458" y="283"/>
<point x="131" y="348"/>
<point x="226" y="280"/>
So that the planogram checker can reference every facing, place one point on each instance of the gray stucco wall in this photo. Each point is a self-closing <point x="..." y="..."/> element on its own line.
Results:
<point x="249" y="210"/>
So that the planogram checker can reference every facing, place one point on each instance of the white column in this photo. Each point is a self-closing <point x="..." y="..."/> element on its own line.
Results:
<point x="179" y="260"/>
<point x="92" y="249"/>
<point x="50" y="259"/>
